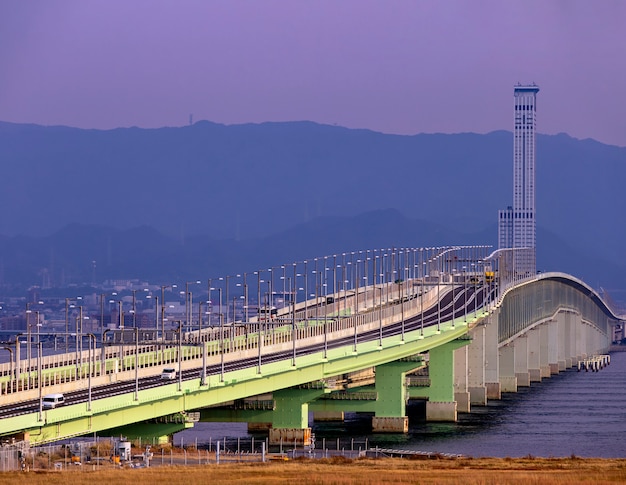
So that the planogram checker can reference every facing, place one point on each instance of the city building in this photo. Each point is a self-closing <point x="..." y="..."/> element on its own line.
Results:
<point x="517" y="223"/>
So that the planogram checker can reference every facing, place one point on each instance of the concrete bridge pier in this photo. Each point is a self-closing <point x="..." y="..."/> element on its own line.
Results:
<point x="441" y="405"/>
<point x="544" y="350"/>
<point x="461" y="393"/>
<point x="508" y="380"/>
<point x="521" y="361"/>
<point x="534" y="355"/>
<point x="390" y="410"/>
<point x="492" y="360"/>
<point x="476" y="367"/>
<point x="553" y="346"/>
<point x="290" y="420"/>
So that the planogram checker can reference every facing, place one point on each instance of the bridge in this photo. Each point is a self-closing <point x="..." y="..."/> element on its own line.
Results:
<point x="363" y="331"/>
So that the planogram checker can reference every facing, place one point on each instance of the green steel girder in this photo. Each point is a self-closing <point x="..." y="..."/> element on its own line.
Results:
<point x="228" y="415"/>
<point x="121" y="410"/>
<point x="441" y="371"/>
<point x="292" y="407"/>
<point x="146" y="430"/>
<point x="391" y="388"/>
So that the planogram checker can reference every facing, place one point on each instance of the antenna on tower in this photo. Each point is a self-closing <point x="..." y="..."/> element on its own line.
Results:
<point x="190" y="119"/>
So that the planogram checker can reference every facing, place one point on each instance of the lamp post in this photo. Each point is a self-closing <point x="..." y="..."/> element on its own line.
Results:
<point x="29" y="334"/>
<point x="39" y="381"/>
<point x="380" y="319"/>
<point x="422" y="295"/>
<point x="221" y="339"/>
<point x="180" y="350"/>
<point x="438" y="294"/>
<point x="134" y="308"/>
<point x="474" y="292"/>
<point x="92" y="367"/>
<point x="18" y="359"/>
<point x="10" y="350"/>
<point x="101" y="317"/>
<point x="293" y="317"/>
<point x="465" y="294"/>
<point x="136" y="330"/>
<point x="67" y="301"/>
<point x="189" y="303"/>
<point x="261" y="336"/>
<point x="200" y="320"/>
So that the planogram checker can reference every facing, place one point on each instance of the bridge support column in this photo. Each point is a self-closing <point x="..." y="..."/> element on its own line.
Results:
<point x="492" y="360"/>
<point x="476" y="366"/>
<point x="544" y="350"/>
<point x="568" y="347"/>
<point x="561" y="324"/>
<point x="579" y="344"/>
<point x="461" y="394"/>
<point x="534" y="355"/>
<point x="441" y="405"/>
<point x="508" y="381"/>
<point x="553" y="346"/>
<point x="391" y="389"/>
<point x="290" y="422"/>
<point x="521" y="361"/>
<point x="573" y="333"/>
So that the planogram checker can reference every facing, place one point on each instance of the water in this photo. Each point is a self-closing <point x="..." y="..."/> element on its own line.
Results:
<point x="573" y="413"/>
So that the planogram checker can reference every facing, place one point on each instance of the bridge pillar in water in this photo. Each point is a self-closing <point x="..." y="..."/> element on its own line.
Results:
<point x="290" y="421"/>
<point x="441" y="405"/>
<point x="553" y="346"/>
<point x="564" y="324"/>
<point x="521" y="361"/>
<point x="579" y="343"/>
<point x="461" y="393"/>
<point x="492" y="360"/>
<point x="476" y="367"/>
<point x="508" y="381"/>
<point x="544" y="350"/>
<point x="390" y="415"/>
<point x="534" y="355"/>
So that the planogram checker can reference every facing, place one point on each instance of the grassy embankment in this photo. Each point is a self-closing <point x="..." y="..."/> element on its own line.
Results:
<point x="342" y="471"/>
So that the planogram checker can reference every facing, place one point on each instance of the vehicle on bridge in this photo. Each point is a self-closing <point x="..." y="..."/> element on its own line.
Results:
<point x="168" y="373"/>
<point x="52" y="401"/>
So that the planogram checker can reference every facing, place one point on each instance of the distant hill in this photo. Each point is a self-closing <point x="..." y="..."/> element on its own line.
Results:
<point x="201" y="199"/>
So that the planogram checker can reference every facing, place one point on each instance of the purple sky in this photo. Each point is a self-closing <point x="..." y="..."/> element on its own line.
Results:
<point x="398" y="67"/>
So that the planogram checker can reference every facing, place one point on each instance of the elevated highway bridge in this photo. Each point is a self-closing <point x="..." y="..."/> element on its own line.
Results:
<point x="459" y="314"/>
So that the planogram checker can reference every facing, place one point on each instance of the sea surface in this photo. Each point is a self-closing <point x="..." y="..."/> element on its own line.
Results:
<point x="572" y="413"/>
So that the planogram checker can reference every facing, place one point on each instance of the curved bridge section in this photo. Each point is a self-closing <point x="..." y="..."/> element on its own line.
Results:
<point x="453" y="315"/>
<point x="538" y="327"/>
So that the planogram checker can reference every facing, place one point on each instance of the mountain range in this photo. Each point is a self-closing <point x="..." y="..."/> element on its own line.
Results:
<point x="209" y="200"/>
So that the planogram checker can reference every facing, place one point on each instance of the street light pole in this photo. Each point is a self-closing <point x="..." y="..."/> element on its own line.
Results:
<point x="422" y="293"/>
<point x="465" y="294"/>
<point x="380" y="319"/>
<point x="39" y="381"/>
<point x="92" y="367"/>
<point x="180" y="362"/>
<point x="134" y="310"/>
<point x="67" y="300"/>
<point x="136" y="363"/>
<point x="101" y="317"/>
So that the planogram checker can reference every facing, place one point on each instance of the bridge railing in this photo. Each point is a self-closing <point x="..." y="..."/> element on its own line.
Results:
<point x="539" y="298"/>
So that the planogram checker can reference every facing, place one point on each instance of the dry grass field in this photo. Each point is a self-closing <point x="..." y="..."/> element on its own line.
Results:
<point x="342" y="471"/>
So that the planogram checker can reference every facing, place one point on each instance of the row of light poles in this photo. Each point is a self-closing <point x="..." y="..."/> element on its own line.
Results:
<point x="376" y="269"/>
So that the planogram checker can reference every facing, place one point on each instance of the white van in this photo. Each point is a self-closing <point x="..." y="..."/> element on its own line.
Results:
<point x="51" y="401"/>
<point x="168" y="373"/>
